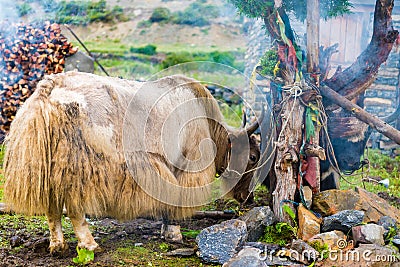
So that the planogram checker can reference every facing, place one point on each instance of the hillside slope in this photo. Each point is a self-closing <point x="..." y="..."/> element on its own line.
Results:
<point x="224" y="32"/>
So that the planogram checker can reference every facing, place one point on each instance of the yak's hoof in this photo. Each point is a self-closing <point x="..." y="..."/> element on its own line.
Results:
<point x="58" y="247"/>
<point x="92" y="246"/>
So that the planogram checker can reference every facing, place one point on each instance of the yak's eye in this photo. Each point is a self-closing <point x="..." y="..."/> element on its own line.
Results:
<point x="253" y="158"/>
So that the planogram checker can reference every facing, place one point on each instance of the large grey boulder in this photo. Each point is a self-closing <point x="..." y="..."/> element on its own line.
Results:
<point x="368" y="234"/>
<point x="342" y="221"/>
<point x="80" y="62"/>
<point x="218" y="243"/>
<point x="256" y="220"/>
<point x="249" y="257"/>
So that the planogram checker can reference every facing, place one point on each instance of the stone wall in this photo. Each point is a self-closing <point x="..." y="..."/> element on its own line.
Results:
<point x="383" y="96"/>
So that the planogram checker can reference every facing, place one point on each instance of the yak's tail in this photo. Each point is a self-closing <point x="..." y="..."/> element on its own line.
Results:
<point x="27" y="161"/>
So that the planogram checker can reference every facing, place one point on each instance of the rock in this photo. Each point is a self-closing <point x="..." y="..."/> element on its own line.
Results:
<point x="181" y="252"/>
<point x="307" y="194"/>
<point x="172" y="233"/>
<point x="41" y="245"/>
<point x="330" y="238"/>
<point x="376" y="207"/>
<point x="306" y="254"/>
<point x="256" y="220"/>
<point x="309" y="224"/>
<point x="387" y="222"/>
<point x="264" y="247"/>
<point x="16" y="241"/>
<point x="368" y="234"/>
<point x="249" y="257"/>
<point x="121" y="234"/>
<point x="330" y="202"/>
<point x="366" y="255"/>
<point x="79" y="61"/>
<point x="218" y="243"/>
<point x="342" y="221"/>
<point x="283" y="257"/>
<point x="396" y="241"/>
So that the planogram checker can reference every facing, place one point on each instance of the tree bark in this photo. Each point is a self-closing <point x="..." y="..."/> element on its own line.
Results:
<point x="313" y="17"/>
<point x="362" y="73"/>
<point x="313" y="37"/>
<point x="361" y="114"/>
<point x="287" y="155"/>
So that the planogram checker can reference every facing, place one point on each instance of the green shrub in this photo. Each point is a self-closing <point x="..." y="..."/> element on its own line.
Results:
<point x="147" y="50"/>
<point x="144" y="24"/>
<point x="160" y="14"/>
<point x="268" y="62"/>
<point x="187" y="18"/>
<point x="280" y="234"/>
<point x="24" y="9"/>
<point x="175" y="58"/>
<point x="196" y="14"/>
<point x="226" y="58"/>
<point x="83" y="12"/>
<point x="1" y="155"/>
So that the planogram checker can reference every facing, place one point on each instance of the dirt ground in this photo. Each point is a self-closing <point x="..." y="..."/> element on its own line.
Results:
<point x="133" y="243"/>
<point x="24" y="240"/>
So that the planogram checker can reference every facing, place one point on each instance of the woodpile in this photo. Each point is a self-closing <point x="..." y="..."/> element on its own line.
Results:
<point x="27" y="53"/>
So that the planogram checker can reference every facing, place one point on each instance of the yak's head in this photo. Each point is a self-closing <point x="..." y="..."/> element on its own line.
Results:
<point x="348" y="137"/>
<point x="239" y="159"/>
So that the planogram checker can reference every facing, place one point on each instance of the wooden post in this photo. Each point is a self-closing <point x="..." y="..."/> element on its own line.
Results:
<point x="287" y="155"/>
<point x="313" y="37"/>
<point x="313" y="170"/>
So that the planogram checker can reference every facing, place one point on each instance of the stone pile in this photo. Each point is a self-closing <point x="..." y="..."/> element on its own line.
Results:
<point x="356" y="228"/>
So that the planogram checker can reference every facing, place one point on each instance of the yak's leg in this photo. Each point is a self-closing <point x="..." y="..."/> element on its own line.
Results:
<point x="57" y="242"/>
<point x="81" y="229"/>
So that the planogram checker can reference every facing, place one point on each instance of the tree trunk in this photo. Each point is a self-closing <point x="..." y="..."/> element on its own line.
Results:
<point x="313" y="169"/>
<point x="287" y="155"/>
<point x="313" y="38"/>
<point x="351" y="82"/>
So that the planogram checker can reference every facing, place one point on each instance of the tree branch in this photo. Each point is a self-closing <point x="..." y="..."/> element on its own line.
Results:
<point x="361" y="114"/>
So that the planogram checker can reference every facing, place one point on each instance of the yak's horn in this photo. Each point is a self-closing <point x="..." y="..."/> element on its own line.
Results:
<point x="244" y="120"/>
<point x="253" y="127"/>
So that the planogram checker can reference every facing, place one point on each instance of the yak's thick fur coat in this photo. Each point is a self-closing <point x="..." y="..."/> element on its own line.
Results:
<point x="65" y="148"/>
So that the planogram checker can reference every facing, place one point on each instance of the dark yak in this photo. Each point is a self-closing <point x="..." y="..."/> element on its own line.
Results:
<point x="349" y="137"/>
<point x="111" y="147"/>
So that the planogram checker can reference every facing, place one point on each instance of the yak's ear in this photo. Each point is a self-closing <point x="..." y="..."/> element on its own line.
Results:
<point x="231" y="138"/>
<point x="254" y="126"/>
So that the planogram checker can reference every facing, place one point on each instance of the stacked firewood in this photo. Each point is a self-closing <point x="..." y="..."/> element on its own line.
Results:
<point x="27" y="53"/>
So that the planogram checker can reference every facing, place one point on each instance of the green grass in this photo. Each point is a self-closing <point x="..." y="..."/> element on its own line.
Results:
<point x="232" y="114"/>
<point x="107" y="46"/>
<point x="381" y="167"/>
<point x="116" y="46"/>
<point x="31" y="225"/>
<point x="128" y="69"/>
